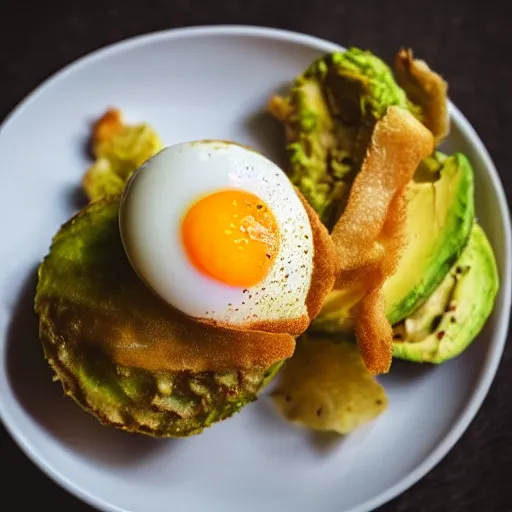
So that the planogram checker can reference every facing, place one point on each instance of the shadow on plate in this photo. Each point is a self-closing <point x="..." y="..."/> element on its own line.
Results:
<point x="269" y="136"/>
<point x="75" y="196"/>
<point x="407" y="372"/>
<point x="76" y="199"/>
<point x="30" y="378"/>
<point x="324" y="443"/>
<point x="266" y="414"/>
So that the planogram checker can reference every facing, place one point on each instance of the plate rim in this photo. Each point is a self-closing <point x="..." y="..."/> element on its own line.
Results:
<point x="494" y="355"/>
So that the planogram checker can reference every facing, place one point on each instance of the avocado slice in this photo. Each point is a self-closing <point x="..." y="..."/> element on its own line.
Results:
<point x="329" y="116"/>
<point x="447" y="323"/>
<point x="439" y="222"/>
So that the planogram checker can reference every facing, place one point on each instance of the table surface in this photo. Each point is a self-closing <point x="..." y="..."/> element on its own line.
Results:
<point x="469" y="44"/>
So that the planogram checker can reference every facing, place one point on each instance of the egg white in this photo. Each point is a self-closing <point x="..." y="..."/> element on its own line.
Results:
<point x="152" y="209"/>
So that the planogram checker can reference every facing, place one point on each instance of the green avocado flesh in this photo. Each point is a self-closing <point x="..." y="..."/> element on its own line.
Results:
<point x="448" y="322"/>
<point x="87" y="268"/>
<point x="334" y="107"/>
<point x="440" y="214"/>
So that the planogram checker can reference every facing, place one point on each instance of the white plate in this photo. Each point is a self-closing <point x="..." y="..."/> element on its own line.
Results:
<point x="213" y="83"/>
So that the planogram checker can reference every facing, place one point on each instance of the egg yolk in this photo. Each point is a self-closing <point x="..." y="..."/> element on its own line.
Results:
<point x="231" y="236"/>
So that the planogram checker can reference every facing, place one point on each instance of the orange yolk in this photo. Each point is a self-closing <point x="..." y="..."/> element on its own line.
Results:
<point x="231" y="236"/>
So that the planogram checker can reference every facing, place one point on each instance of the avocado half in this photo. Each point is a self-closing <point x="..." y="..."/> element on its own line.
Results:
<point x="84" y="282"/>
<point x="448" y="322"/>
<point x="329" y="116"/>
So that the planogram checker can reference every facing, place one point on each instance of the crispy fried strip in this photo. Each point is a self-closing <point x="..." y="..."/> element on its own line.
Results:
<point x="325" y="263"/>
<point x="425" y="88"/>
<point x="399" y="143"/>
<point x="373" y="331"/>
<point x="164" y="340"/>
<point x="370" y="235"/>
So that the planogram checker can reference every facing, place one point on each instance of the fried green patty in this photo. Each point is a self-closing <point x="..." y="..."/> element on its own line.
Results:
<point x="88" y="290"/>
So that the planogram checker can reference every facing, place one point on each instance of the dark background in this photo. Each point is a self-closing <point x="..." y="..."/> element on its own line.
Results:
<point x="471" y="45"/>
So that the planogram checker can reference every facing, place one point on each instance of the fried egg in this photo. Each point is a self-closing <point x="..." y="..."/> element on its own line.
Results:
<point x="218" y="231"/>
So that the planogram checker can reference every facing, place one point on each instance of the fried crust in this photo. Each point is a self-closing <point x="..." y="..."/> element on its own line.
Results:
<point x="325" y="263"/>
<point x="370" y="234"/>
<point x="425" y="88"/>
<point x="91" y="295"/>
